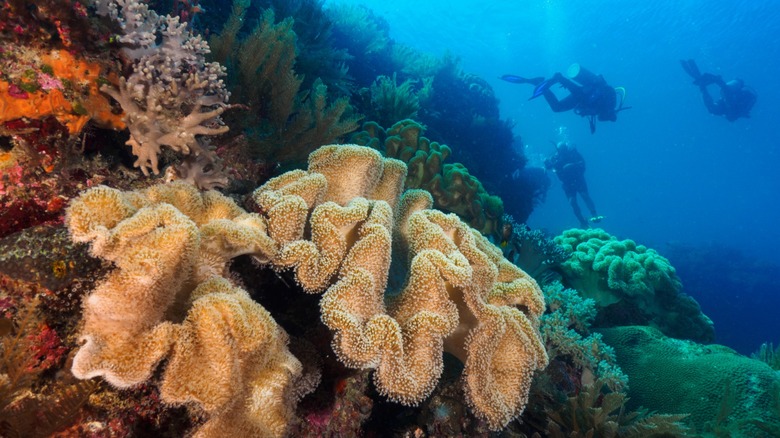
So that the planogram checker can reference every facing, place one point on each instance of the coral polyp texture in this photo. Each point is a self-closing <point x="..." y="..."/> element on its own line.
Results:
<point x="459" y="295"/>
<point x="338" y="225"/>
<point x="167" y="298"/>
<point x="453" y="188"/>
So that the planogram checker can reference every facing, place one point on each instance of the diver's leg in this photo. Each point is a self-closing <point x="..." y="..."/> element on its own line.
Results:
<point x="691" y="68"/>
<point x="576" y="208"/>
<point x="558" y="106"/>
<point x="568" y="102"/>
<point x="588" y="202"/>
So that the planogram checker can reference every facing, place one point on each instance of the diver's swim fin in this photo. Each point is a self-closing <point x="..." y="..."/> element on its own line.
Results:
<point x="521" y="80"/>
<point x="690" y="67"/>
<point x="541" y="88"/>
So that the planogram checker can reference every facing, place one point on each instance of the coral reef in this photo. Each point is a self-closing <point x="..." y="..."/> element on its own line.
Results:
<point x="55" y="83"/>
<point x="171" y="246"/>
<point x="721" y="390"/>
<point x="768" y="354"/>
<point x="391" y="102"/>
<point x="566" y="332"/>
<point x="594" y="412"/>
<point x="286" y="122"/>
<point x="466" y="116"/>
<point x="475" y="286"/>
<point x="365" y="36"/>
<point x="62" y="23"/>
<point x="172" y="95"/>
<point x="631" y="284"/>
<point x="531" y="250"/>
<point x="452" y="187"/>
<point x="28" y="348"/>
<point x="412" y="324"/>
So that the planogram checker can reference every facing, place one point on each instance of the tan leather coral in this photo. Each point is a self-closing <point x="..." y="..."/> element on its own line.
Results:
<point x="401" y="284"/>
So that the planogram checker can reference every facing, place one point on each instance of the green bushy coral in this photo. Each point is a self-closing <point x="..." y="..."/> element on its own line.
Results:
<point x="391" y="102"/>
<point x="631" y="284"/>
<point x="595" y="412"/>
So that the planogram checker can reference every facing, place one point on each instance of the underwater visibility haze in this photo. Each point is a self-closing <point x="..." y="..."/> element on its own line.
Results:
<point x="349" y="218"/>
<point x="667" y="174"/>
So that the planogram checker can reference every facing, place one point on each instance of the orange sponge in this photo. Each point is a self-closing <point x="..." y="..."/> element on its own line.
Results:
<point x="72" y="111"/>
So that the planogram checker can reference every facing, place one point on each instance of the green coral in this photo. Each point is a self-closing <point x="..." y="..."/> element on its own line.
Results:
<point x="608" y="269"/>
<point x="414" y="63"/>
<point x="631" y="284"/>
<point x="365" y="31"/>
<point x="391" y="102"/>
<point x="720" y="389"/>
<point x="565" y="330"/>
<point x="463" y="194"/>
<point x="768" y="354"/>
<point x="596" y="412"/>
<point x="285" y="122"/>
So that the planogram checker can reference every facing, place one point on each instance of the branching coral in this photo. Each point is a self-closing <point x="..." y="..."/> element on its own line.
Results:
<point x="768" y="354"/>
<point x="531" y="250"/>
<point x="565" y="330"/>
<point x="172" y="94"/>
<point x="594" y="412"/>
<point x="364" y="30"/>
<point x="414" y="63"/>
<point x="391" y="102"/>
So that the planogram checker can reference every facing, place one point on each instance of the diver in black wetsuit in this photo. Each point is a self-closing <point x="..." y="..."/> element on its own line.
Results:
<point x="569" y="165"/>
<point x="589" y="95"/>
<point x="736" y="100"/>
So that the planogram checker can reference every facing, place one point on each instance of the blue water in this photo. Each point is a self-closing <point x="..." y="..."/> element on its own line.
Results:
<point x="667" y="174"/>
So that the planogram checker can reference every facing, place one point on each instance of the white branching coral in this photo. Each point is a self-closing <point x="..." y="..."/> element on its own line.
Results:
<point x="172" y="95"/>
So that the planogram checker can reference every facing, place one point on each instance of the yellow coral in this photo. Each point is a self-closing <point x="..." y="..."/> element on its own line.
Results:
<point x="227" y="355"/>
<point x="460" y="294"/>
<point x="231" y="357"/>
<point x="334" y="225"/>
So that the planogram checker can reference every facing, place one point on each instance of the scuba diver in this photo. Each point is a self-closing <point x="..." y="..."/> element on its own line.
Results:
<point x="589" y="95"/>
<point x="569" y="165"/>
<point x="736" y="100"/>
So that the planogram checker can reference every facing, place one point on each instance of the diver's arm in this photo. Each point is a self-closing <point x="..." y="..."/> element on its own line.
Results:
<point x="712" y="107"/>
